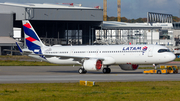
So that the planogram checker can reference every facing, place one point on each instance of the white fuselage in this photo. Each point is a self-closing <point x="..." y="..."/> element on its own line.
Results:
<point x="112" y="54"/>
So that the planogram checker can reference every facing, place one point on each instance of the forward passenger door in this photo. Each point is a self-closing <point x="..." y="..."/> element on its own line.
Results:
<point x="150" y="51"/>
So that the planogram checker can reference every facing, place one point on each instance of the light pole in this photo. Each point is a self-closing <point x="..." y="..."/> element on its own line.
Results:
<point x="179" y="12"/>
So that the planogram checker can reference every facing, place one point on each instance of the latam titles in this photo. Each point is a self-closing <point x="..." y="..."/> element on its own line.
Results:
<point x="131" y="48"/>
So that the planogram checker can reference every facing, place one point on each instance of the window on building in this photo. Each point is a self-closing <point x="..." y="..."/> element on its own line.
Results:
<point x="164" y="34"/>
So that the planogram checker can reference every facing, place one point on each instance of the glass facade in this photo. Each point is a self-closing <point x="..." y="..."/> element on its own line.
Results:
<point x="164" y="34"/>
<point x="176" y="25"/>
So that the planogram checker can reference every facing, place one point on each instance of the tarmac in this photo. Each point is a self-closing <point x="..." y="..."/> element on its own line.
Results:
<point x="62" y="74"/>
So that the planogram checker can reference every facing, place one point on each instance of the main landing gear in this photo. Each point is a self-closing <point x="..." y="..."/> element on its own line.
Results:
<point x="82" y="71"/>
<point x="106" y="70"/>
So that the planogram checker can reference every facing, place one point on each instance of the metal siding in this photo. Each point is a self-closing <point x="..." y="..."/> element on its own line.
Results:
<point x="6" y="25"/>
<point x="54" y="13"/>
<point x="20" y="11"/>
<point x="68" y="14"/>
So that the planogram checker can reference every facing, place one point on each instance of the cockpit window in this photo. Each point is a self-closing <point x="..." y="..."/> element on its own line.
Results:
<point x="163" y="50"/>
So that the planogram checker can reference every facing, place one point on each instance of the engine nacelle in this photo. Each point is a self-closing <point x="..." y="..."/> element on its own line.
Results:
<point x="129" y="66"/>
<point x="92" y="64"/>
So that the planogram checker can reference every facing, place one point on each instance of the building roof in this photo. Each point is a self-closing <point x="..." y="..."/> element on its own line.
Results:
<point x="46" y="5"/>
<point x="122" y="25"/>
<point x="7" y="41"/>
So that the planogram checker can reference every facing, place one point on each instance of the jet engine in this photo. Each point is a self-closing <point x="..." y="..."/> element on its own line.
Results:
<point x="92" y="64"/>
<point x="129" y="66"/>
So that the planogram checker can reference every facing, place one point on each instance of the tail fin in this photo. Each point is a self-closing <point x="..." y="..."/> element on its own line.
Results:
<point x="33" y="42"/>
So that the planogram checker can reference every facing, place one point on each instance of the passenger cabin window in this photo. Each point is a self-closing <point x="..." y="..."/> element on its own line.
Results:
<point x="163" y="50"/>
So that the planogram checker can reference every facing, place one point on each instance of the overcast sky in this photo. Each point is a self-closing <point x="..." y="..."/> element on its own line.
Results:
<point x="129" y="8"/>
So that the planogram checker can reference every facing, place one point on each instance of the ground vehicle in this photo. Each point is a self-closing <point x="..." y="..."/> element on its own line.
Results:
<point x="168" y="70"/>
<point x="172" y="69"/>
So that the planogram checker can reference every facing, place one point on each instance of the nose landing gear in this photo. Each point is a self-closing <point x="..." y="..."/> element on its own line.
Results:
<point x="82" y="71"/>
<point x="155" y="66"/>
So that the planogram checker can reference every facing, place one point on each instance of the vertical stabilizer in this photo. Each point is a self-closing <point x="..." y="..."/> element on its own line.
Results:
<point x="33" y="41"/>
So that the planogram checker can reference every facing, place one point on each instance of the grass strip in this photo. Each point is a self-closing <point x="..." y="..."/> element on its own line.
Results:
<point x="25" y="63"/>
<point x="177" y="59"/>
<point x="108" y="91"/>
<point x="15" y="56"/>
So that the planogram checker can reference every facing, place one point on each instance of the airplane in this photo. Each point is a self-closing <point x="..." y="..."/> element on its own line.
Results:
<point x="95" y="57"/>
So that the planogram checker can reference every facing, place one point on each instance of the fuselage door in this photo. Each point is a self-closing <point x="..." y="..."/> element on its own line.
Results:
<point x="97" y="52"/>
<point x="150" y="51"/>
<point x="72" y="52"/>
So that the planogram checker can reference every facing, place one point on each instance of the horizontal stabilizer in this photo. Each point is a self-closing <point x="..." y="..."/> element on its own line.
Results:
<point x="8" y="50"/>
<point x="19" y="48"/>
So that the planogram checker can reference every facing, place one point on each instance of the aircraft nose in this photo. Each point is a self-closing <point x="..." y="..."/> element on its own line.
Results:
<point x="171" y="57"/>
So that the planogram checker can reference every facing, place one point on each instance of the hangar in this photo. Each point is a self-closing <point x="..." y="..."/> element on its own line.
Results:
<point x="60" y="24"/>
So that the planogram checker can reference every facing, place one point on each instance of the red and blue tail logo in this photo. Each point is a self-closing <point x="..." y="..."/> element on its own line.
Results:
<point x="33" y="42"/>
<point x="27" y="25"/>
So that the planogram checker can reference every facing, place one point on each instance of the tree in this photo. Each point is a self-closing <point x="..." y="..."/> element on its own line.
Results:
<point x="138" y="20"/>
<point x="112" y="18"/>
<point x="144" y="19"/>
<point x="124" y="19"/>
<point x="176" y="19"/>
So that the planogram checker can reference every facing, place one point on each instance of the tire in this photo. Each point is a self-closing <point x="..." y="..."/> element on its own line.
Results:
<point x="80" y="70"/>
<point x="85" y="71"/>
<point x="158" y="72"/>
<point x="104" y="70"/>
<point x="108" y="70"/>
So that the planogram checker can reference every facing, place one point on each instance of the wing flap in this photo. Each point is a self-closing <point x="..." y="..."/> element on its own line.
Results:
<point x="80" y="59"/>
<point x="76" y="58"/>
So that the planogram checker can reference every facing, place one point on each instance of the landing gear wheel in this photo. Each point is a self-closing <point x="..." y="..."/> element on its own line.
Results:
<point x="158" y="72"/>
<point x="85" y="71"/>
<point x="82" y="71"/>
<point x="106" y="70"/>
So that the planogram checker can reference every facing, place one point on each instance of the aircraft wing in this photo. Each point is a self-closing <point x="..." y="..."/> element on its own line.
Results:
<point x="106" y="60"/>
<point x="75" y="57"/>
